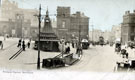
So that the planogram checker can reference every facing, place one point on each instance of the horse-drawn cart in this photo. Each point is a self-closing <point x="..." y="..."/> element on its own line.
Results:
<point x="117" y="47"/>
<point x="125" y="65"/>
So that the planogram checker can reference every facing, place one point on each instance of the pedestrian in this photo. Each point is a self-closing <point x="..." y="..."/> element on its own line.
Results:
<point x="29" y="44"/>
<point x="1" y="45"/>
<point x="19" y="43"/>
<point x="67" y="49"/>
<point x="73" y="44"/>
<point x="23" y="45"/>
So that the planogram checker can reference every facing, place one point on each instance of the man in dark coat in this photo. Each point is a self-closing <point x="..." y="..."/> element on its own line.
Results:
<point x="23" y="45"/>
<point x="19" y="43"/>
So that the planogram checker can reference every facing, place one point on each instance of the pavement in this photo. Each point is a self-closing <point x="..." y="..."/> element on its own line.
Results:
<point x="97" y="59"/>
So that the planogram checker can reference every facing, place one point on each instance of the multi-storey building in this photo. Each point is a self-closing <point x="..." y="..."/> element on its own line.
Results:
<point x="115" y="33"/>
<point x="63" y="21"/>
<point x="21" y="19"/>
<point x="128" y="27"/>
<point x="71" y="25"/>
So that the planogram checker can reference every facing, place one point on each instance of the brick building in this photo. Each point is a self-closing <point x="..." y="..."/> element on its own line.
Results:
<point x="128" y="27"/>
<point x="68" y="25"/>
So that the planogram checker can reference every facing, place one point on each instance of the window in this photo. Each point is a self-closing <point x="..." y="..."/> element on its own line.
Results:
<point x="63" y="24"/>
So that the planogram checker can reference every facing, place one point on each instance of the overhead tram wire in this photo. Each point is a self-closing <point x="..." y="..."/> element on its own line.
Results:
<point x="41" y="9"/>
<point x="32" y="6"/>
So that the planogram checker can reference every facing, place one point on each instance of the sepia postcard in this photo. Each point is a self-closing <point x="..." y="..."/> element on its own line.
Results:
<point x="67" y="39"/>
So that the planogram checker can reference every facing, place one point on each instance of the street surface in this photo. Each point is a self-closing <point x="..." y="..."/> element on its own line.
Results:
<point x="96" y="58"/>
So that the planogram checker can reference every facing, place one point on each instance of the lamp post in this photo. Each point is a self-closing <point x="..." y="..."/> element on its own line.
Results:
<point x="39" y="17"/>
<point x="79" y="31"/>
<point x="92" y="32"/>
<point x="79" y="34"/>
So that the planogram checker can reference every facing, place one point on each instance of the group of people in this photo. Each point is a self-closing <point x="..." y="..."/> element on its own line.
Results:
<point x="22" y="45"/>
<point x="74" y="44"/>
<point x="121" y="49"/>
<point x="125" y="50"/>
<point x="64" y="46"/>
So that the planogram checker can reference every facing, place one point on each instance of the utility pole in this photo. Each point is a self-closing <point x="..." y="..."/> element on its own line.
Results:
<point x="39" y="18"/>
<point x="21" y="29"/>
<point x="92" y="38"/>
<point x="92" y="32"/>
<point x="79" y="31"/>
<point x="79" y="34"/>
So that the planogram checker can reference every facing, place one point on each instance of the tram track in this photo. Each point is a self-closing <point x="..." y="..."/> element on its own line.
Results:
<point x="17" y="53"/>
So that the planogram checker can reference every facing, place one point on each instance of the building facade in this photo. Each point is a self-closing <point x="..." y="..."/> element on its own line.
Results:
<point x="115" y="33"/>
<point x="20" y="19"/>
<point x="128" y="27"/>
<point x="63" y="22"/>
<point x="95" y="34"/>
<point x="17" y="28"/>
<point x="71" y="25"/>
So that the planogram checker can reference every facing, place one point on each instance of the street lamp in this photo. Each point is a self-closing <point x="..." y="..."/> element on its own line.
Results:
<point x="79" y="30"/>
<point x="39" y="18"/>
<point x="79" y="34"/>
<point x="92" y="32"/>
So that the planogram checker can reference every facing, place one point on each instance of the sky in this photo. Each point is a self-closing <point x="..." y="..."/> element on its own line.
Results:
<point x="103" y="14"/>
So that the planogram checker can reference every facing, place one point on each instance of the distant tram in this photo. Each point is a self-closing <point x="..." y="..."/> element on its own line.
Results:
<point x="101" y="40"/>
<point x="85" y="44"/>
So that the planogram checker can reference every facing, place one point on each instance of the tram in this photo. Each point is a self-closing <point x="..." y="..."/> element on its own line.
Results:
<point x="101" y="40"/>
<point x="117" y="46"/>
<point x="85" y="44"/>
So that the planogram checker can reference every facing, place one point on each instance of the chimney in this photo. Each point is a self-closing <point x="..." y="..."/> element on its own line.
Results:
<point x="127" y="12"/>
<point x="78" y="14"/>
<point x="83" y="14"/>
